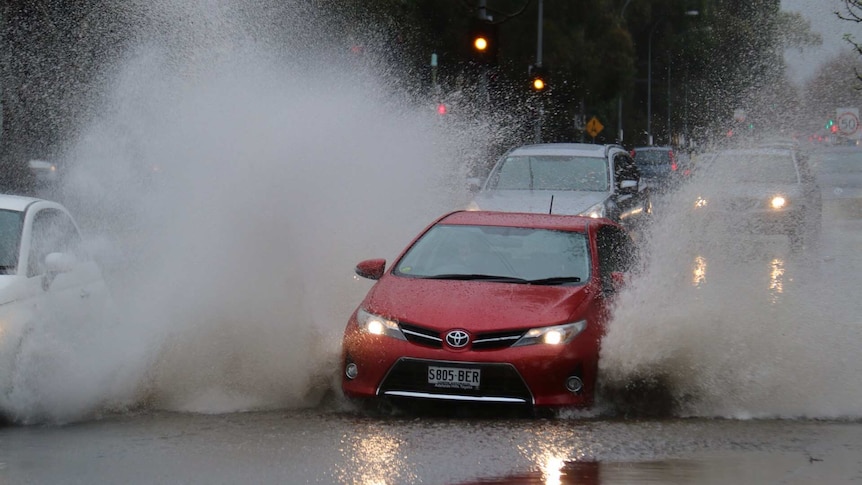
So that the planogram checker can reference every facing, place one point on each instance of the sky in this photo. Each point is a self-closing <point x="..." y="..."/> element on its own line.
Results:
<point x="821" y="14"/>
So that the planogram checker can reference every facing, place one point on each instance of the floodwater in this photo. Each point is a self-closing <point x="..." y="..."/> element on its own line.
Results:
<point x="341" y="447"/>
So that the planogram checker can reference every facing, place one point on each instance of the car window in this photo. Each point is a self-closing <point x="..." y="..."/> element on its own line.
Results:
<point x="652" y="157"/>
<point x="515" y="252"/>
<point x="53" y="231"/>
<point x="551" y="172"/>
<point x="11" y="223"/>
<point x="625" y="168"/>
<point x="755" y="167"/>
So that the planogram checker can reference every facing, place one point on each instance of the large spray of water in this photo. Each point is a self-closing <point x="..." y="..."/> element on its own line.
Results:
<point x="234" y="174"/>
<point x="236" y="169"/>
<point x="732" y="324"/>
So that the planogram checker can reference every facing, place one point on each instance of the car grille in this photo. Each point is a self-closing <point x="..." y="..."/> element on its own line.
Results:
<point x="482" y="341"/>
<point x="498" y="380"/>
<point x="496" y="340"/>
<point x="422" y="336"/>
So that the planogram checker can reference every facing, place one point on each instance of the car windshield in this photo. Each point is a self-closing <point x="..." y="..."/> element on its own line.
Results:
<point x="511" y="254"/>
<point x="839" y="163"/>
<point x="11" y="223"/>
<point x="551" y="172"/>
<point x="764" y="167"/>
<point x="652" y="157"/>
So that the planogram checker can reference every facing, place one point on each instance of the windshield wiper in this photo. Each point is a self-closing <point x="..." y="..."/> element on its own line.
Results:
<point x="556" y="280"/>
<point x="468" y="277"/>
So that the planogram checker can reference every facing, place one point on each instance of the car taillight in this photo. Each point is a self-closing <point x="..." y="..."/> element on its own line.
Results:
<point x="673" y="165"/>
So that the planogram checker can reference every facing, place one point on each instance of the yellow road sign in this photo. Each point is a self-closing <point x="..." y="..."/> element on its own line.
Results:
<point x="594" y="126"/>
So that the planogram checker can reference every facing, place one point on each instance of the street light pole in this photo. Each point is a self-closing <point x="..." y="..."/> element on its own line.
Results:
<point x="649" y="84"/>
<point x="539" y="35"/>
<point x="620" y="99"/>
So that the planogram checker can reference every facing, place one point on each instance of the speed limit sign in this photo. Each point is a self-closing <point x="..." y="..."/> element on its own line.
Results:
<point x="847" y="120"/>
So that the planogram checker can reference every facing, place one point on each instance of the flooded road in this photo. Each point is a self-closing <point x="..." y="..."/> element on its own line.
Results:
<point x="764" y="427"/>
<point x="342" y="447"/>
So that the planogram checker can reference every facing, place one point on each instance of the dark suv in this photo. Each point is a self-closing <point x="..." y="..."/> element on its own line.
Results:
<point x="661" y="168"/>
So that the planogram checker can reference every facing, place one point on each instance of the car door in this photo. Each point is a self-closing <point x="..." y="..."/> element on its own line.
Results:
<point x="75" y="293"/>
<point x="632" y="201"/>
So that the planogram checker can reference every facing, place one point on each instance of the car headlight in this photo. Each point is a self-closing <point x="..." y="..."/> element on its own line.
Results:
<point x="473" y="206"/>
<point x="555" y="335"/>
<point x="700" y="203"/>
<point x="778" y="202"/>
<point x="595" y="211"/>
<point x="377" y="325"/>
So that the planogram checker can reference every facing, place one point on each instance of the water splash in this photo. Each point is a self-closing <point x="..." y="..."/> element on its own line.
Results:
<point x="234" y="173"/>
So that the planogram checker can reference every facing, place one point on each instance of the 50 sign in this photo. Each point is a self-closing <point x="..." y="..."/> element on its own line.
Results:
<point x="848" y="122"/>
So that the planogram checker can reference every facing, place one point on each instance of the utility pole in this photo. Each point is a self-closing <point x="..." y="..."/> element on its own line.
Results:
<point x="541" y="108"/>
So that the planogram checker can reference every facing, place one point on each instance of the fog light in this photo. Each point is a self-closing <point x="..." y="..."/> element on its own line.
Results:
<point x="351" y="371"/>
<point x="574" y="384"/>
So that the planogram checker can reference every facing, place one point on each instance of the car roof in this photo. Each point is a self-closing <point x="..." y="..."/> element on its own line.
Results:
<point x="586" y="149"/>
<point x="16" y="202"/>
<point x="523" y="219"/>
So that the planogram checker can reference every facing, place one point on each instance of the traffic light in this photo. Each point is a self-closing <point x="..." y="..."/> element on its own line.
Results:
<point x="830" y="123"/>
<point x="441" y="109"/>
<point x="483" y="42"/>
<point x="538" y="79"/>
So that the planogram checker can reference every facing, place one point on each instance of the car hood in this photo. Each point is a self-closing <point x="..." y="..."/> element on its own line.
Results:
<point x="565" y="201"/>
<point x="476" y="306"/>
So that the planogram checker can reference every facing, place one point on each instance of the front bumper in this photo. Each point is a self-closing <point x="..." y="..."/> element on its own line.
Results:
<point x="532" y="375"/>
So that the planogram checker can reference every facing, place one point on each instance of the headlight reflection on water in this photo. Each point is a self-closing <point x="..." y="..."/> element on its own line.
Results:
<point x="552" y="470"/>
<point x="699" y="272"/>
<point x="776" y="279"/>
<point x="375" y="459"/>
<point x="776" y="269"/>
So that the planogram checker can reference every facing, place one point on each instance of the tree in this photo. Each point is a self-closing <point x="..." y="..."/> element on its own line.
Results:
<point x="852" y="13"/>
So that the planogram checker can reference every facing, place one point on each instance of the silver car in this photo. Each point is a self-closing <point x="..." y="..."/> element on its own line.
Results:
<point x="567" y="178"/>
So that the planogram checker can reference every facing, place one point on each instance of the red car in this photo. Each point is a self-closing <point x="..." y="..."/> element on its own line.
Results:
<point x="489" y="307"/>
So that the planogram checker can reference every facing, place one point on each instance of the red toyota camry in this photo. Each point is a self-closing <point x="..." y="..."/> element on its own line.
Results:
<point x="488" y="307"/>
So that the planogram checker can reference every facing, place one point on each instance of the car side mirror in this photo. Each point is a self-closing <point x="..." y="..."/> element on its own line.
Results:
<point x="628" y="186"/>
<point x="371" y="268"/>
<point x="57" y="263"/>
<point x="474" y="184"/>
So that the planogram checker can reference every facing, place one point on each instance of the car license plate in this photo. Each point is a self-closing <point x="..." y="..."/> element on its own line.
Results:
<point x="454" y="377"/>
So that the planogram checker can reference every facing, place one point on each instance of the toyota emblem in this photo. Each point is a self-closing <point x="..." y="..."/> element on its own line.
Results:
<point x="457" y="338"/>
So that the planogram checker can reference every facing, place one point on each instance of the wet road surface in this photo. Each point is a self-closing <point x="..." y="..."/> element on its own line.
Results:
<point x="342" y="447"/>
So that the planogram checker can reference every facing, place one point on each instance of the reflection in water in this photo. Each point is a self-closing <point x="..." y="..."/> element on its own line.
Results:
<point x="776" y="279"/>
<point x="776" y="276"/>
<point x="552" y="470"/>
<point x="699" y="273"/>
<point x="375" y="458"/>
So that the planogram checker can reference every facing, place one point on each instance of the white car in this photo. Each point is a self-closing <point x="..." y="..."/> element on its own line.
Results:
<point x="567" y="178"/>
<point x="45" y="274"/>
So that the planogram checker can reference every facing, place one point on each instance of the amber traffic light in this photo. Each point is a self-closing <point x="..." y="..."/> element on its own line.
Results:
<point x="538" y="79"/>
<point x="483" y="42"/>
